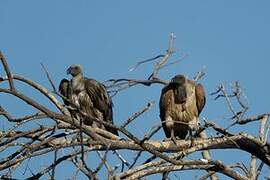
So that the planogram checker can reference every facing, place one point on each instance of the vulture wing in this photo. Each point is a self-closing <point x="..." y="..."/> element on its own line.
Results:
<point x="164" y="103"/>
<point x="64" y="90"/>
<point x="200" y="97"/>
<point x="101" y="101"/>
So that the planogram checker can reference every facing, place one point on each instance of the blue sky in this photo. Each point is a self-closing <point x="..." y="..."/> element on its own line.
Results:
<point x="230" y="38"/>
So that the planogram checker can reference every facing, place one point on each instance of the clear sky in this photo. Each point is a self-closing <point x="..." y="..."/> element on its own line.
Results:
<point x="231" y="38"/>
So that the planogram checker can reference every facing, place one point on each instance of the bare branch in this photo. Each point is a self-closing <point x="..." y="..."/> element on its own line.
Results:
<point x="159" y="65"/>
<point x="145" y="61"/>
<point x="137" y="114"/>
<point x="243" y="142"/>
<point x="49" y="77"/>
<point x="200" y="74"/>
<point x="206" y="155"/>
<point x="21" y="119"/>
<point x="8" y="72"/>
<point x="187" y="165"/>
<point x="69" y="139"/>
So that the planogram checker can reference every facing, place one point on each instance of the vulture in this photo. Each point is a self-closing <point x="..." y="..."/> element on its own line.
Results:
<point x="87" y="96"/>
<point x="180" y="105"/>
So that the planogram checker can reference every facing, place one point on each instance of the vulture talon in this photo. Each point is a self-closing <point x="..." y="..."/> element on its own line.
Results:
<point x="174" y="140"/>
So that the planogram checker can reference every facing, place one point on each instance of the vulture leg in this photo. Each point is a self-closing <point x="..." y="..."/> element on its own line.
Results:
<point x="173" y="137"/>
<point x="165" y="176"/>
<point x="191" y="137"/>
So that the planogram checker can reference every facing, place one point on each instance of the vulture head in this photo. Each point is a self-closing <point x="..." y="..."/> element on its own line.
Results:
<point x="74" y="70"/>
<point x="179" y="80"/>
<point x="179" y="84"/>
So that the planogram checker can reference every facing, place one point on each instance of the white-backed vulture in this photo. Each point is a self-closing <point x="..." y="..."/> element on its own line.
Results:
<point x="181" y="103"/>
<point x="88" y="96"/>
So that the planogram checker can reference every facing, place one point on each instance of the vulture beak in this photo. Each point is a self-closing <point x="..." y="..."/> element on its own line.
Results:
<point x="68" y="71"/>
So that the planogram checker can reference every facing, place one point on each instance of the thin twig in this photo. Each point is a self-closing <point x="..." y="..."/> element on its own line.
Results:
<point x="49" y="77"/>
<point x="137" y="114"/>
<point x="145" y="61"/>
<point x="8" y="72"/>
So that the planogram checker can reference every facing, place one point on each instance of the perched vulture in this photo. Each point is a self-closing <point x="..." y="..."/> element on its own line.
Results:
<point x="181" y="103"/>
<point x="88" y="96"/>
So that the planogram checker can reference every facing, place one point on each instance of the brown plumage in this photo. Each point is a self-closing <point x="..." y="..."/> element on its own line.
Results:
<point x="180" y="104"/>
<point x="88" y="96"/>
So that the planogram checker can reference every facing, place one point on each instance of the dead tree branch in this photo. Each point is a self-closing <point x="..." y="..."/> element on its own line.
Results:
<point x="8" y="72"/>
<point x="31" y="136"/>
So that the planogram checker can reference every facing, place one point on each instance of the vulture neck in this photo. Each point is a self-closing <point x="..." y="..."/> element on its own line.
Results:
<point x="77" y="83"/>
<point x="180" y="94"/>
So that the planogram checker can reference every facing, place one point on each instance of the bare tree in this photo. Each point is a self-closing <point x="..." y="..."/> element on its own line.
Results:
<point x="65" y="139"/>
